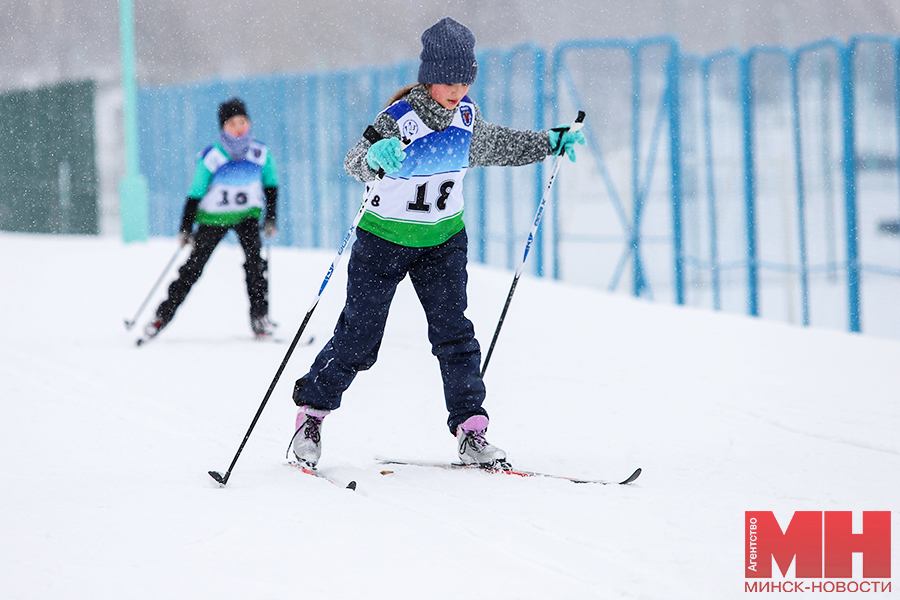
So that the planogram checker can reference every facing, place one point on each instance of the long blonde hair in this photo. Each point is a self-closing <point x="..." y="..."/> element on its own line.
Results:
<point x="402" y="92"/>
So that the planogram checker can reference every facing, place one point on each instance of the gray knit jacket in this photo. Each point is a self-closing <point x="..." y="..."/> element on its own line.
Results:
<point x="492" y="145"/>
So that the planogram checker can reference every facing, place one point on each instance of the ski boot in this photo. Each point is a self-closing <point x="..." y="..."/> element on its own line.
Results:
<point x="262" y="327"/>
<point x="152" y="329"/>
<point x="474" y="449"/>
<point x="307" y="441"/>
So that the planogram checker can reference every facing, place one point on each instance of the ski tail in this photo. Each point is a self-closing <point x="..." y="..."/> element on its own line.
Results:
<point x="305" y="468"/>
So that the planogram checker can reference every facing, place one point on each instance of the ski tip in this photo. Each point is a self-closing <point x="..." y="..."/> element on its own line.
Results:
<point x="351" y="486"/>
<point x="632" y="477"/>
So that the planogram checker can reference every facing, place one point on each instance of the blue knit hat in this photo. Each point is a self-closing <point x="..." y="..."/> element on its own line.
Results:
<point x="448" y="54"/>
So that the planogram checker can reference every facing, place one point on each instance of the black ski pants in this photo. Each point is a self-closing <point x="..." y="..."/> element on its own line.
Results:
<point x="206" y="239"/>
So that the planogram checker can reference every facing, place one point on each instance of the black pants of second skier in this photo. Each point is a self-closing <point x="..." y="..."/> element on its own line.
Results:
<point x="206" y="239"/>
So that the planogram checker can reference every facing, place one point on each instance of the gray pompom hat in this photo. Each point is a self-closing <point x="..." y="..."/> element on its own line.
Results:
<point x="448" y="54"/>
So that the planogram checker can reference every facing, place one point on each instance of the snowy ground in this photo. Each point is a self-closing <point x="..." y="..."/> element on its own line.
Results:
<point x="106" y="447"/>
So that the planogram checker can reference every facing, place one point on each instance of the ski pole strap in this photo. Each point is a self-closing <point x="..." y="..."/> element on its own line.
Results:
<point x="372" y="135"/>
<point x="555" y="148"/>
<point x="575" y="126"/>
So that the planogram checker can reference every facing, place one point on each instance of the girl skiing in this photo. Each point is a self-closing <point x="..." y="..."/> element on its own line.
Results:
<point x="414" y="226"/>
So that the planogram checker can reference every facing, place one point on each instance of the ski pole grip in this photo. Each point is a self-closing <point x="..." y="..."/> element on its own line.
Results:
<point x="404" y="142"/>
<point x="579" y="121"/>
<point x="562" y="129"/>
<point x="372" y="135"/>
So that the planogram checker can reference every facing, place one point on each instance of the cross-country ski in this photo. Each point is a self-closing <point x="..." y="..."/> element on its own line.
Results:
<point x="504" y="468"/>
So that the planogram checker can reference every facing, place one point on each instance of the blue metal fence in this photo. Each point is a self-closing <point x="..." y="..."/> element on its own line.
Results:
<point x="763" y="182"/>
<point x="628" y="208"/>
<point x="815" y="130"/>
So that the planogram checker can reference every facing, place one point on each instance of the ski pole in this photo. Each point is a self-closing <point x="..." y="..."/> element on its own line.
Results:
<point x="130" y="324"/>
<point x="575" y="126"/>
<point x="221" y="478"/>
<point x="267" y="257"/>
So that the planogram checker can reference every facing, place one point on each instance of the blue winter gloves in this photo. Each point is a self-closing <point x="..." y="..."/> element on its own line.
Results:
<point x="562" y="141"/>
<point x="386" y="154"/>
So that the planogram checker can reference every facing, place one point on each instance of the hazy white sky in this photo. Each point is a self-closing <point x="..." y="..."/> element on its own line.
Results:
<point x="42" y="41"/>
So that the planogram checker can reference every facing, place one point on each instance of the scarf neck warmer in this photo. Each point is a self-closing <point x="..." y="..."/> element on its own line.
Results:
<point x="432" y="114"/>
<point x="236" y="147"/>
